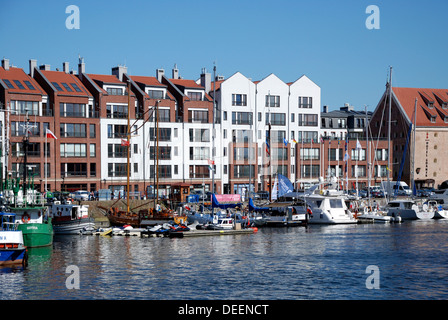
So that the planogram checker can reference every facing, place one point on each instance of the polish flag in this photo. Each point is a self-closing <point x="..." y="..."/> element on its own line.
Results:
<point x="50" y="134"/>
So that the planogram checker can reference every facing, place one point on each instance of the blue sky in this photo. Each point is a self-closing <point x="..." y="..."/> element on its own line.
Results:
<point x="326" y="40"/>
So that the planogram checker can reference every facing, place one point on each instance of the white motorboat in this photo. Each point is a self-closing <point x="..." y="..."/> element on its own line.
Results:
<point x="328" y="208"/>
<point x="70" y="218"/>
<point x="409" y="210"/>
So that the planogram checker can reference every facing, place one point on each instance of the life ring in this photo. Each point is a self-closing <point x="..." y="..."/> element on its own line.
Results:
<point x="308" y="210"/>
<point x="26" y="218"/>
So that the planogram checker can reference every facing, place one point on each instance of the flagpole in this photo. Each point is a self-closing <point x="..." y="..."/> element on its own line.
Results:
<point x="45" y="166"/>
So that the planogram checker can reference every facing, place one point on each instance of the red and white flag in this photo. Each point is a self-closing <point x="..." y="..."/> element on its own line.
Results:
<point x="50" y="134"/>
<point x="125" y="143"/>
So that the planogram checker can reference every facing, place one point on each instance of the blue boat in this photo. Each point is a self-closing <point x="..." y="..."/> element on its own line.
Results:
<point x="12" y="249"/>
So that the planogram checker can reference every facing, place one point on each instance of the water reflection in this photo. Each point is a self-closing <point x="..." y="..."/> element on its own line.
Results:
<point x="318" y="262"/>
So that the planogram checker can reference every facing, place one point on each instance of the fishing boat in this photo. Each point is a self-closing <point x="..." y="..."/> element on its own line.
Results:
<point x="12" y="248"/>
<point x="409" y="210"/>
<point x="31" y="214"/>
<point x="69" y="218"/>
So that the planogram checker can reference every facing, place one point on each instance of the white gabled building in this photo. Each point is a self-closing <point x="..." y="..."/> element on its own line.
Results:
<point x="246" y="109"/>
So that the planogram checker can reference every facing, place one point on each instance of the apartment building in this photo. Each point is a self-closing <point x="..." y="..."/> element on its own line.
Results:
<point x="23" y="98"/>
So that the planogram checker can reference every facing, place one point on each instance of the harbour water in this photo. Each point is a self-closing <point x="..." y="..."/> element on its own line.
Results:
<point x="317" y="262"/>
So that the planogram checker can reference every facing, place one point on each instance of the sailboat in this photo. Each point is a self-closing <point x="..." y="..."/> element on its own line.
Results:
<point x="152" y="216"/>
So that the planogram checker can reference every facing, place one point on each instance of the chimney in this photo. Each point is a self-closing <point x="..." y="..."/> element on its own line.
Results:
<point x="65" y="67"/>
<point x="206" y="80"/>
<point x="119" y="71"/>
<point x="5" y="64"/>
<point x="325" y="109"/>
<point x="45" y="67"/>
<point x="159" y="74"/>
<point x="175" y="72"/>
<point x="33" y="65"/>
<point x="81" y="67"/>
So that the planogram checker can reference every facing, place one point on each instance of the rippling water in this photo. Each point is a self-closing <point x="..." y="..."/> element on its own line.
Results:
<point x="318" y="262"/>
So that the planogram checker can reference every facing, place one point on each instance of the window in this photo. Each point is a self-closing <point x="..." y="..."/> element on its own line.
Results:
<point x="292" y="117"/>
<point x="198" y="116"/>
<point x="309" y="154"/>
<point x="75" y="130"/>
<point x="358" y="154"/>
<point x="18" y="129"/>
<point x="243" y="171"/>
<point x="306" y="102"/>
<point x="199" y="153"/>
<point x="117" y="111"/>
<point x="199" y="171"/>
<point x="361" y="172"/>
<point x="92" y="133"/>
<point x="277" y="119"/>
<point x="241" y="117"/>
<point x="19" y="84"/>
<point x="311" y="171"/>
<point x="310" y="120"/>
<point x="73" y="150"/>
<point x="199" y="135"/>
<point x="163" y="154"/>
<point x="29" y="85"/>
<point x="75" y="110"/>
<point x="57" y="86"/>
<point x="240" y="153"/>
<point x="195" y="96"/>
<point x="156" y="94"/>
<point x="75" y="86"/>
<point x="23" y="107"/>
<point x="239" y="100"/>
<point x="92" y="150"/>
<point x="117" y="151"/>
<point x="117" y="131"/>
<point x="8" y="84"/>
<point x="164" y="115"/>
<point x="272" y="101"/>
<point x="74" y="169"/>
<point x="66" y="87"/>
<point x="115" y="91"/>
<point x="164" y="134"/>
<point x="163" y="172"/>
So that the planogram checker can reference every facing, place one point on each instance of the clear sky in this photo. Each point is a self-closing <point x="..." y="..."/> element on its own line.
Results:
<point x="326" y="40"/>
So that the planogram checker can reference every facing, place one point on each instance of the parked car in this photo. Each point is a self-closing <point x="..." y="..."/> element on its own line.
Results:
<point x="424" y="193"/>
<point x="81" y="195"/>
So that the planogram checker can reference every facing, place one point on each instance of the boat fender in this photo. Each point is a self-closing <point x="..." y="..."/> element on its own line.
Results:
<point x="59" y="212"/>
<point x="26" y="218"/>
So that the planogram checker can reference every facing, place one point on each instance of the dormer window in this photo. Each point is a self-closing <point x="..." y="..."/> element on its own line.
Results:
<point x="115" y="91"/>
<point x="445" y="119"/>
<point x="195" y="96"/>
<point x="445" y="105"/>
<point x="433" y="118"/>
<point x="430" y="105"/>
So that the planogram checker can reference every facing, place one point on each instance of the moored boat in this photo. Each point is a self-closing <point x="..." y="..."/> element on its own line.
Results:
<point x="409" y="210"/>
<point x="70" y="218"/>
<point x="12" y="248"/>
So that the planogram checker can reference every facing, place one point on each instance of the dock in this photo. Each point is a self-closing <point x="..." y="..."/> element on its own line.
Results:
<point x="207" y="233"/>
<point x="139" y="232"/>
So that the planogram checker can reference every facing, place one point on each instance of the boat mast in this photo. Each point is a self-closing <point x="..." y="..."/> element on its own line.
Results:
<point x="389" y="191"/>
<point x="413" y="149"/>
<point x="128" y="145"/>
<point x="270" y="149"/>
<point x="367" y="156"/>
<point x="157" y="154"/>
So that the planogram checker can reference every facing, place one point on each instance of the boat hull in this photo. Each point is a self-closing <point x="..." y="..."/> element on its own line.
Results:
<point x="73" y="226"/>
<point x="37" y="234"/>
<point x="13" y="257"/>
<point x="409" y="214"/>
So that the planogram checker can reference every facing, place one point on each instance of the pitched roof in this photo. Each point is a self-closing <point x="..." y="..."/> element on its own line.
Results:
<point x="186" y="83"/>
<point x="432" y="105"/>
<point x="17" y="81"/>
<point x="104" y="78"/>
<point x="65" y="83"/>
<point x="148" y="81"/>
